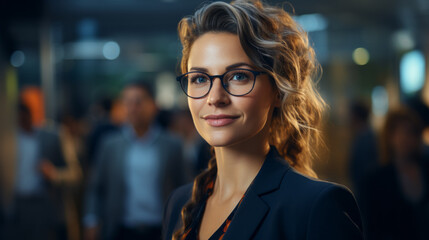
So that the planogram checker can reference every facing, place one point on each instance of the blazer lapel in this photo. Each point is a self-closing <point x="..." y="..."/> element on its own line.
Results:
<point x="253" y="209"/>
<point x="247" y="218"/>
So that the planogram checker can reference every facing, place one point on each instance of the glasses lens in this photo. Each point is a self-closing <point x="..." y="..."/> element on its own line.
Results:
<point x="239" y="81"/>
<point x="195" y="84"/>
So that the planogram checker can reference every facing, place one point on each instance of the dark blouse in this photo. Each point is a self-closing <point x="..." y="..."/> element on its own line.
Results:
<point x="192" y="232"/>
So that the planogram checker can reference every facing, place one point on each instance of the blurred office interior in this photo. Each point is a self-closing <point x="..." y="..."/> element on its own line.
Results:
<point x="72" y="53"/>
<point x="77" y="51"/>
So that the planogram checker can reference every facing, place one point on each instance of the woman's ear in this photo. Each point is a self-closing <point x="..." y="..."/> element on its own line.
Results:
<point x="278" y="100"/>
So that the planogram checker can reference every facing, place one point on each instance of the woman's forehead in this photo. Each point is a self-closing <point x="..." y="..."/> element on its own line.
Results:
<point x="217" y="50"/>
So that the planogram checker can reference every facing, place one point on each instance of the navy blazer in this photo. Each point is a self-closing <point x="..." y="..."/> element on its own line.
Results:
<point x="282" y="204"/>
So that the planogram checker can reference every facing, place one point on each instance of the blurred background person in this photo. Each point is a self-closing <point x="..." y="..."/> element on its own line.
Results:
<point x="363" y="155"/>
<point x="70" y="178"/>
<point x="45" y="167"/>
<point x="102" y="125"/>
<point x="135" y="171"/>
<point x="397" y="194"/>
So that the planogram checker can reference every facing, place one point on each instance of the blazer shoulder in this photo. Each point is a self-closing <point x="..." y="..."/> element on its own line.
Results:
<point x="330" y="209"/>
<point x="180" y="196"/>
<point x="173" y="208"/>
<point x="308" y="187"/>
<point x="334" y="214"/>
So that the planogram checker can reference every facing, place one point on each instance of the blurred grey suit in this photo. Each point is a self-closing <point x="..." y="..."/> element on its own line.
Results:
<point x="106" y="191"/>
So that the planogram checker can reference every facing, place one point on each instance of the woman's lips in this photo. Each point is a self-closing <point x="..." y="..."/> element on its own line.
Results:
<point x="219" y="120"/>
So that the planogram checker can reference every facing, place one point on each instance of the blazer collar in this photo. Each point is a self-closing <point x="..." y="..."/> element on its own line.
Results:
<point x="271" y="174"/>
<point x="253" y="209"/>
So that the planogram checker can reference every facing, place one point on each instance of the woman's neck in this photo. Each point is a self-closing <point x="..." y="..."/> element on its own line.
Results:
<point x="237" y="166"/>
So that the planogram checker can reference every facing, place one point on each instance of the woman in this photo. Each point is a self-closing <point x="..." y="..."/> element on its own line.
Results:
<point x="246" y="70"/>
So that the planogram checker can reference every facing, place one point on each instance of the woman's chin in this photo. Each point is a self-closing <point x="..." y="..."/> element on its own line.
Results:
<point x="223" y="142"/>
<point x="219" y="142"/>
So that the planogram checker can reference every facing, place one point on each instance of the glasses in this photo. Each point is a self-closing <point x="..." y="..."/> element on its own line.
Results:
<point x="236" y="82"/>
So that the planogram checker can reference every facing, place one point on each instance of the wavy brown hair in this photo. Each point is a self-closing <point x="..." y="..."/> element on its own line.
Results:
<point x="278" y="46"/>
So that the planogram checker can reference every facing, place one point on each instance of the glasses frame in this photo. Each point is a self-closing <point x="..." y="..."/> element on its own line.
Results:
<point x="212" y="77"/>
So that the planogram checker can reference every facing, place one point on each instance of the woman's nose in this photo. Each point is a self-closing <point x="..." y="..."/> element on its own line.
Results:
<point x="218" y="97"/>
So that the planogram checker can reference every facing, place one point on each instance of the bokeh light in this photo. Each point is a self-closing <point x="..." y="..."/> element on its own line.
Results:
<point x="361" y="56"/>
<point x="17" y="59"/>
<point x="111" y="50"/>
<point x="380" y="101"/>
<point x="412" y="72"/>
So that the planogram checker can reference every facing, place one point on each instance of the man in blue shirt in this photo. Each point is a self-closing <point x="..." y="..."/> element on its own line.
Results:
<point x="135" y="171"/>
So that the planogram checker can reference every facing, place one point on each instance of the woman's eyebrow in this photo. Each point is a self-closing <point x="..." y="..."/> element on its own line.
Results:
<point x="200" y="69"/>
<point x="230" y="67"/>
<point x="236" y="65"/>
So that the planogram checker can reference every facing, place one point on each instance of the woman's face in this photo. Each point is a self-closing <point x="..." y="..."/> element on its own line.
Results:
<point x="220" y="118"/>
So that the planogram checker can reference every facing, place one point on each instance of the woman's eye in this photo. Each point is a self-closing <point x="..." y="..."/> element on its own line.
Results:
<point x="239" y="76"/>
<point x="199" y="79"/>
